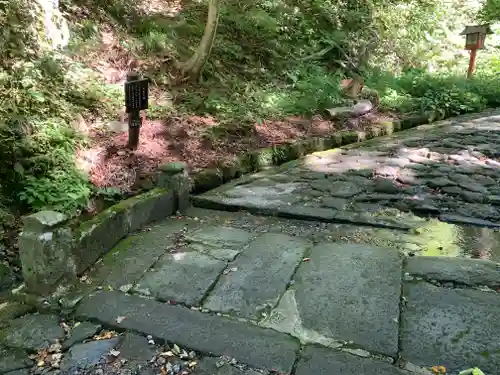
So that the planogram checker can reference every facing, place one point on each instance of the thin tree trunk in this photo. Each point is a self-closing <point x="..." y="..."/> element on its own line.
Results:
<point x="191" y="69"/>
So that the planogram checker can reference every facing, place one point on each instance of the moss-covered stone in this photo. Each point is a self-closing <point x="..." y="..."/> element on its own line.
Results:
<point x="334" y="140"/>
<point x="207" y="179"/>
<point x="98" y="235"/>
<point x="172" y="168"/>
<point x="387" y="127"/>
<point x="412" y="121"/>
<point x="12" y="309"/>
<point x="265" y="157"/>
<point x="349" y="137"/>
<point x="45" y="252"/>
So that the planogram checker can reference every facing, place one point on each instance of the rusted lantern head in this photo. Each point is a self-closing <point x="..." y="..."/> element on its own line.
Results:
<point x="475" y="36"/>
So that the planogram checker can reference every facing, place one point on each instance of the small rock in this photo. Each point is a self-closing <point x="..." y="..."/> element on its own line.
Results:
<point x="88" y="354"/>
<point x="177" y="368"/>
<point x="161" y="361"/>
<point x="125" y="288"/>
<point x="79" y="333"/>
<point x="172" y="168"/>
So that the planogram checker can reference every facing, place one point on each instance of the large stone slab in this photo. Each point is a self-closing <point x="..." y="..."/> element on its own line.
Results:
<point x="220" y="242"/>
<point x="317" y="360"/>
<point x="128" y="261"/>
<point x="255" y="346"/>
<point x="183" y="277"/>
<point x="456" y="328"/>
<point x="33" y="332"/>
<point x="259" y="276"/>
<point x="464" y="271"/>
<point x="12" y="360"/>
<point x="345" y="293"/>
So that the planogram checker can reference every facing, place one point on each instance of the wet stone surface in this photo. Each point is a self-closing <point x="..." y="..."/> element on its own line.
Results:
<point x="449" y="170"/>
<point x="456" y="328"/>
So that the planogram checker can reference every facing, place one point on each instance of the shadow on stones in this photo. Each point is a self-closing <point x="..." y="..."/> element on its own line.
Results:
<point x="449" y="171"/>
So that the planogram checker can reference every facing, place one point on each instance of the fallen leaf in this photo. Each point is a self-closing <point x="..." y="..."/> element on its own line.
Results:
<point x="105" y="335"/>
<point x="176" y="349"/>
<point x="167" y="354"/>
<point x="120" y="319"/>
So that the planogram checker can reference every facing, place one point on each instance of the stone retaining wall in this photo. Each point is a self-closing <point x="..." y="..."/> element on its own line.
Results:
<point x="55" y="250"/>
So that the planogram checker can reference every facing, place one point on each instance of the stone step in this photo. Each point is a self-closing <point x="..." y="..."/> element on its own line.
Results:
<point x="203" y="333"/>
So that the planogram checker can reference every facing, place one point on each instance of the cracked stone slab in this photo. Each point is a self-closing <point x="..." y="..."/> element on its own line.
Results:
<point x="126" y="263"/>
<point x="345" y="293"/>
<point x="33" y="332"/>
<point x="249" y="344"/>
<point x="456" y="328"/>
<point x="316" y="360"/>
<point x="259" y="193"/>
<point x="286" y="318"/>
<point x="183" y="277"/>
<point x="259" y="277"/>
<point x="232" y="238"/>
<point x="465" y="271"/>
<point x="221" y="242"/>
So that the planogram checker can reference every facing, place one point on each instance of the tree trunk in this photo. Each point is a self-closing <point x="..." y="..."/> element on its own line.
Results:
<point x="191" y="69"/>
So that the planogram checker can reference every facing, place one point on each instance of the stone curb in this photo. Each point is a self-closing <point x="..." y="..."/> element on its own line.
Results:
<point x="204" y="333"/>
<point x="55" y="250"/>
<point x="255" y="161"/>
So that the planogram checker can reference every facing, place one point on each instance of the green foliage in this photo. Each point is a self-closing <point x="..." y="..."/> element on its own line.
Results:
<point x="490" y="11"/>
<point x="420" y="91"/>
<point x="41" y="91"/>
<point x="270" y="59"/>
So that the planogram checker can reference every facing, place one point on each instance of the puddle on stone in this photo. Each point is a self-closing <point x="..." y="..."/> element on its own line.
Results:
<point x="431" y="238"/>
<point x="437" y="238"/>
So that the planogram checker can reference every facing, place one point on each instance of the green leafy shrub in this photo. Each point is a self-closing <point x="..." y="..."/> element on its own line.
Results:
<point x="420" y="91"/>
<point x="41" y="92"/>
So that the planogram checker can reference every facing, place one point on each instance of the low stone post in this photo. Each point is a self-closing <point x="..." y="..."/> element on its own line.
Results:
<point x="45" y="249"/>
<point x="175" y="177"/>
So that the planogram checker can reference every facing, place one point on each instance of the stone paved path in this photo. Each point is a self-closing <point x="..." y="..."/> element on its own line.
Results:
<point x="450" y="170"/>
<point x="233" y="293"/>
<point x="270" y="294"/>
